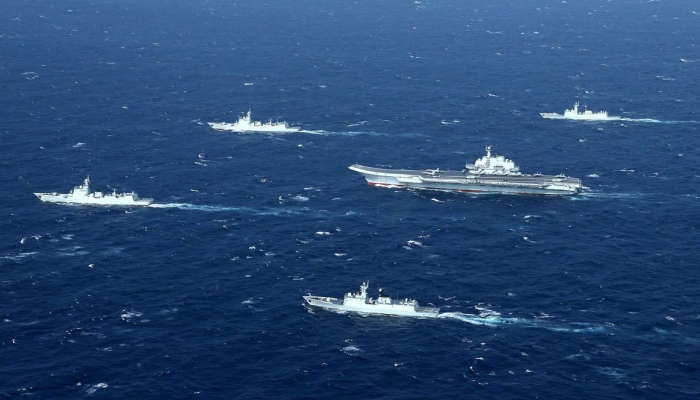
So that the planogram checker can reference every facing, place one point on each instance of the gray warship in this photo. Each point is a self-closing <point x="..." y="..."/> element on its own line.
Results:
<point x="81" y="194"/>
<point x="585" y="115"/>
<point x="246" y="124"/>
<point x="361" y="303"/>
<point x="489" y="174"/>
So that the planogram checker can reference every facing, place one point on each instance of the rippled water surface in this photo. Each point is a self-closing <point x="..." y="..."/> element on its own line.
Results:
<point x="201" y="293"/>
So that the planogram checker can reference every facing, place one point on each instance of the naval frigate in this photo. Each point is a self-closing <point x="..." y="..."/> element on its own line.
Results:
<point x="360" y="302"/>
<point x="585" y="115"/>
<point x="81" y="194"/>
<point x="489" y="174"/>
<point x="244" y="124"/>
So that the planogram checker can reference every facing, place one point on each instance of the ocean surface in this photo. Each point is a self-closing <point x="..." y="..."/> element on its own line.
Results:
<point x="200" y="294"/>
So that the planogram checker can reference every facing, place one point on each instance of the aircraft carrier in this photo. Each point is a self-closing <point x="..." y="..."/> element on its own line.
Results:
<point x="489" y="174"/>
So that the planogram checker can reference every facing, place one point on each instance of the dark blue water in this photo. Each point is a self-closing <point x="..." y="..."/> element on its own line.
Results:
<point x="200" y="295"/>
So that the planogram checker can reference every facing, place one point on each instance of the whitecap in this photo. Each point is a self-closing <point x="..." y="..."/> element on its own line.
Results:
<point x="128" y="315"/>
<point x="593" y="176"/>
<point x="92" y="389"/>
<point x="319" y="233"/>
<point x="414" y="243"/>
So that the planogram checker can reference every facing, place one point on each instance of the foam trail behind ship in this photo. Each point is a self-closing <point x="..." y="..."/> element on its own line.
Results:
<point x="245" y="210"/>
<point x="360" y="133"/>
<point x="646" y="120"/>
<point x="656" y="121"/>
<point x="496" y="320"/>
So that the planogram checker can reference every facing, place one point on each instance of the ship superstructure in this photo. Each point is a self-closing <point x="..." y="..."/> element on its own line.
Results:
<point x="488" y="174"/>
<point x="360" y="302"/>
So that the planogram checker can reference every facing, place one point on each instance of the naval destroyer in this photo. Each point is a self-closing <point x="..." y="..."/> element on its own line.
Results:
<point x="489" y="174"/>
<point x="586" y="115"/>
<point x="82" y="195"/>
<point x="360" y="302"/>
<point x="244" y="124"/>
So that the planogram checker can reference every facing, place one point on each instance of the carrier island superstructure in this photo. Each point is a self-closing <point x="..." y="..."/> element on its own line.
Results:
<point x="489" y="174"/>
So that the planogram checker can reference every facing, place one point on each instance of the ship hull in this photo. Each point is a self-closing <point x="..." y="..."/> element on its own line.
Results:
<point x="330" y="303"/>
<point x="108" y="200"/>
<point x="470" y="183"/>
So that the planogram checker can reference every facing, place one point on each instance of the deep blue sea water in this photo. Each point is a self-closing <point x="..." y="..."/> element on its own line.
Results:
<point x="199" y="296"/>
